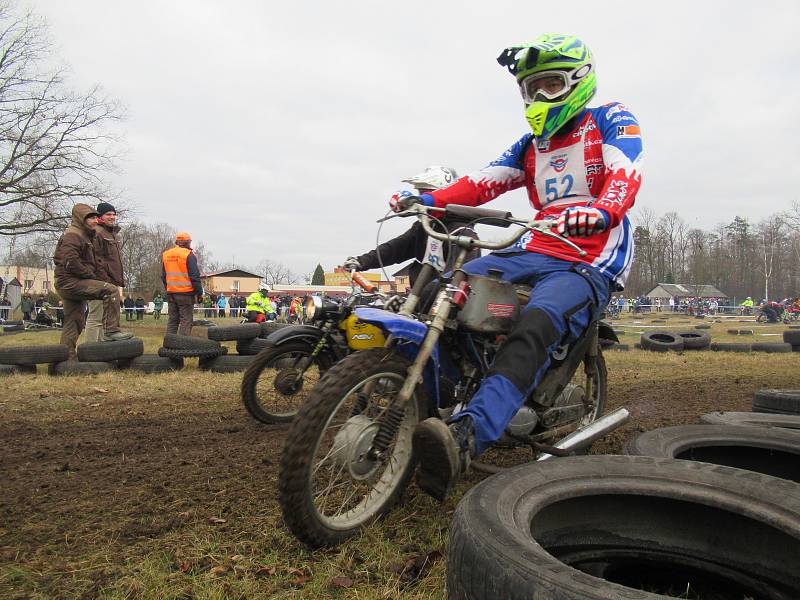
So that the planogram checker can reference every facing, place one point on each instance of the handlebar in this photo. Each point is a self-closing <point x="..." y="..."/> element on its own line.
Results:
<point x="362" y="282"/>
<point x="543" y="226"/>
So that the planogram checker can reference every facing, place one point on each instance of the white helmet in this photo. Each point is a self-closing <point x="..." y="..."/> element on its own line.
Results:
<point x="433" y="178"/>
<point x="263" y="286"/>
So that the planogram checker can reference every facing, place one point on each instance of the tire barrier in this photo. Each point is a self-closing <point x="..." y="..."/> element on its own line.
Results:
<point x="33" y="355"/>
<point x="226" y="364"/>
<point x="244" y="331"/>
<point x="766" y="450"/>
<point x="108" y="351"/>
<point x="729" y="347"/>
<point x="694" y="340"/>
<point x="151" y="363"/>
<point x="661" y="341"/>
<point x="781" y="402"/>
<point x="74" y="367"/>
<point x="770" y="347"/>
<point x="553" y="530"/>
<point x="752" y="419"/>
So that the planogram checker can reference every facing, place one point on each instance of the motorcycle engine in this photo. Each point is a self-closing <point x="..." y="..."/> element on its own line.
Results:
<point x="568" y="407"/>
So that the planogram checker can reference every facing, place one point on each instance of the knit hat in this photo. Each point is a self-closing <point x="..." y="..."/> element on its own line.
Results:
<point x="105" y="207"/>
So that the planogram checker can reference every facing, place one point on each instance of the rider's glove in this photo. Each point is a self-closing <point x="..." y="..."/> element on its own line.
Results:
<point x="351" y="264"/>
<point x="401" y="200"/>
<point x="394" y="303"/>
<point x="581" y="221"/>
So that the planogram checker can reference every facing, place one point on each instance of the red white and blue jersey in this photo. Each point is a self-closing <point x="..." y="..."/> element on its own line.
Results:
<point x="596" y="163"/>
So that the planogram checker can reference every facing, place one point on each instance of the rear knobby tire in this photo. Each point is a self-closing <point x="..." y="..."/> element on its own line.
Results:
<point x="266" y="367"/>
<point x="315" y="452"/>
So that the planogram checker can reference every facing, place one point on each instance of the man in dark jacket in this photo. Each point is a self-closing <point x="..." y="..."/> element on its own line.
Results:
<point x="27" y="308"/>
<point x="128" y="304"/>
<point x="107" y="250"/>
<point x="181" y="277"/>
<point x="77" y="280"/>
<point x="139" y="304"/>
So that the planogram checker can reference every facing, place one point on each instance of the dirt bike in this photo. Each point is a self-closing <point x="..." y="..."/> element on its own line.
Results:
<point x="272" y="386"/>
<point x="348" y="455"/>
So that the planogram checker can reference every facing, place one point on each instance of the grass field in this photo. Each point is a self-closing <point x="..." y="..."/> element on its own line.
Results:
<point x="125" y="485"/>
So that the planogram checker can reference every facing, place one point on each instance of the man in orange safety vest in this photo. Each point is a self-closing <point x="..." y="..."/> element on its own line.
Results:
<point x="181" y="278"/>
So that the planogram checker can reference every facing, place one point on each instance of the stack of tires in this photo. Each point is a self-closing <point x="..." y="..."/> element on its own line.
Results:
<point x="675" y="341"/>
<point x="23" y="359"/>
<point x="697" y="511"/>
<point x="250" y="339"/>
<point x="792" y="337"/>
<point x="99" y="357"/>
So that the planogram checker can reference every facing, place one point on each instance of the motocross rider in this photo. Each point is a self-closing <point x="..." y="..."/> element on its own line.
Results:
<point x="414" y="243"/>
<point x="581" y="168"/>
<point x="259" y="306"/>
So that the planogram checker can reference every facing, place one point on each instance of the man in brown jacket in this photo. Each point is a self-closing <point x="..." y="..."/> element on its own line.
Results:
<point x="77" y="280"/>
<point x="108" y="256"/>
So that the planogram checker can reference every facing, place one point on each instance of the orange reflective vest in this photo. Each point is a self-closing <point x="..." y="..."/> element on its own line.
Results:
<point x="177" y="270"/>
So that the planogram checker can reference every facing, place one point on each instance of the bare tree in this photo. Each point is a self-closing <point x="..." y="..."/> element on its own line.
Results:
<point x="55" y="144"/>
<point x="276" y="273"/>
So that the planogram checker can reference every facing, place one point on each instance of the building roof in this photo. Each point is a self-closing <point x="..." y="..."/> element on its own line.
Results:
<point x="231" y="273"/>
<point x="688" y="290"/>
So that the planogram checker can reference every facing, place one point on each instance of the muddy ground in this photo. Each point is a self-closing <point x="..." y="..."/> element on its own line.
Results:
<point x="123" y="485"/>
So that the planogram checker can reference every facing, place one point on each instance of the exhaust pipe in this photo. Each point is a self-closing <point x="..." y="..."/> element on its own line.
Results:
<point x="584" y="436"/>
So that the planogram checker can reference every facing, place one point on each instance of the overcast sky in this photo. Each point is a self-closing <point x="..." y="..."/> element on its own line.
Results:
<point x="279" y="130"/>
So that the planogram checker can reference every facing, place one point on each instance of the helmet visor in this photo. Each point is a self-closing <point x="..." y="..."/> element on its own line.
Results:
<point x="547" y="86"/>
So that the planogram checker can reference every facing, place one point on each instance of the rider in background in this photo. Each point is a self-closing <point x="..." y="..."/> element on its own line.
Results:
<point x="747" y="306"/>
<point x="414" y="243"/>
<point x="259" y="305"/>
<point x="581" y="168"/>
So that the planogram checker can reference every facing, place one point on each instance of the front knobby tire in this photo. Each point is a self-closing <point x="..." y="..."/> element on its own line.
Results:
<point x="328" y="488"/>
<point x="268" y="389"/>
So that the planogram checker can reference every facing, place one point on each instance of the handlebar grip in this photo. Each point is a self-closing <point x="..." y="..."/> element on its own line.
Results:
<point x="363" y="282"/>
<point x="475" y="212"/>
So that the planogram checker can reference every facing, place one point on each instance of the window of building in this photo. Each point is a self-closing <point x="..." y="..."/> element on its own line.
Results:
<point x="28" y="284"/>
<point x="46" y="286"/>
<point x="235" y="286"/>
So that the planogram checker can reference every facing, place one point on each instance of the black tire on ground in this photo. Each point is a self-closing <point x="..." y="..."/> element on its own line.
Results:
<point x="703" y="326"/>
<point x="108" y="351"/>
<point x="746" y="332"/>
<point x="251" y="347"/>
<point x="203" y="323"/>
<point x="232" y="363"/>
<point x="17" y="369"/>
<point x="729" y="347"/>
<point x="796" y="348"/>
<point x="318" y="436"/>
<point x="621" y="347"/>
<point x="244" y="331"/>
<point x="695" y="340"/>
<point x="188" y="342"/>
<point x="752" y="419"/>
<point x="74" y="367"/>
<point x="769" y="451"/>
<point x="269" y="327"/>
<point x="553" y="531"/>
<point x="7" y="327"/>
<point x="178" y="353"/>
<point x="33" y="355"/>
<point x="733" y="332"/>
<point x="792" y="336"/>
<point x="783" y="402"/>
<point x="661" y="341"/>
<point x="770" y="347"/>
<point x="151" y="363"/>
<point x="264" y="369"/>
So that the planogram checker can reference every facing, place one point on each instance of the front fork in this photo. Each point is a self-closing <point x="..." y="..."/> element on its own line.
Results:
<point x="397" y="409"/>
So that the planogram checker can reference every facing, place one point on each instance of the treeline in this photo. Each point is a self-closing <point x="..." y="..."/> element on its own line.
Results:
<point x="741" y="258"/>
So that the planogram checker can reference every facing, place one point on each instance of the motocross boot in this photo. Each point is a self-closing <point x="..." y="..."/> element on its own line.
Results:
<point x="444" y="452"/>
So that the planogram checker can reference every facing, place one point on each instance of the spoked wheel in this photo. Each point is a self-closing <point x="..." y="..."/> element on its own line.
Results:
<point x="329" y="485"/>
<point x="274" y="387"/>
<point x="499" y="458"/>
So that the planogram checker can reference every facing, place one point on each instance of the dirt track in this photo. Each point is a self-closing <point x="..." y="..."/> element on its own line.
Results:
<point x="100" y="473"/>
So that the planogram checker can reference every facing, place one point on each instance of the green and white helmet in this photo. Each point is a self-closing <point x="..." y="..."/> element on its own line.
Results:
<point x="556" y="76"/>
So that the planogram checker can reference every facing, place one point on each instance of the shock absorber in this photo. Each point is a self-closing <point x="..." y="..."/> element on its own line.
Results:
<point x="391" y="423"/>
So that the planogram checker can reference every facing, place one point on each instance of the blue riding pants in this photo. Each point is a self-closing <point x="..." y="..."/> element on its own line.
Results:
<point x="565" y="299"/>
